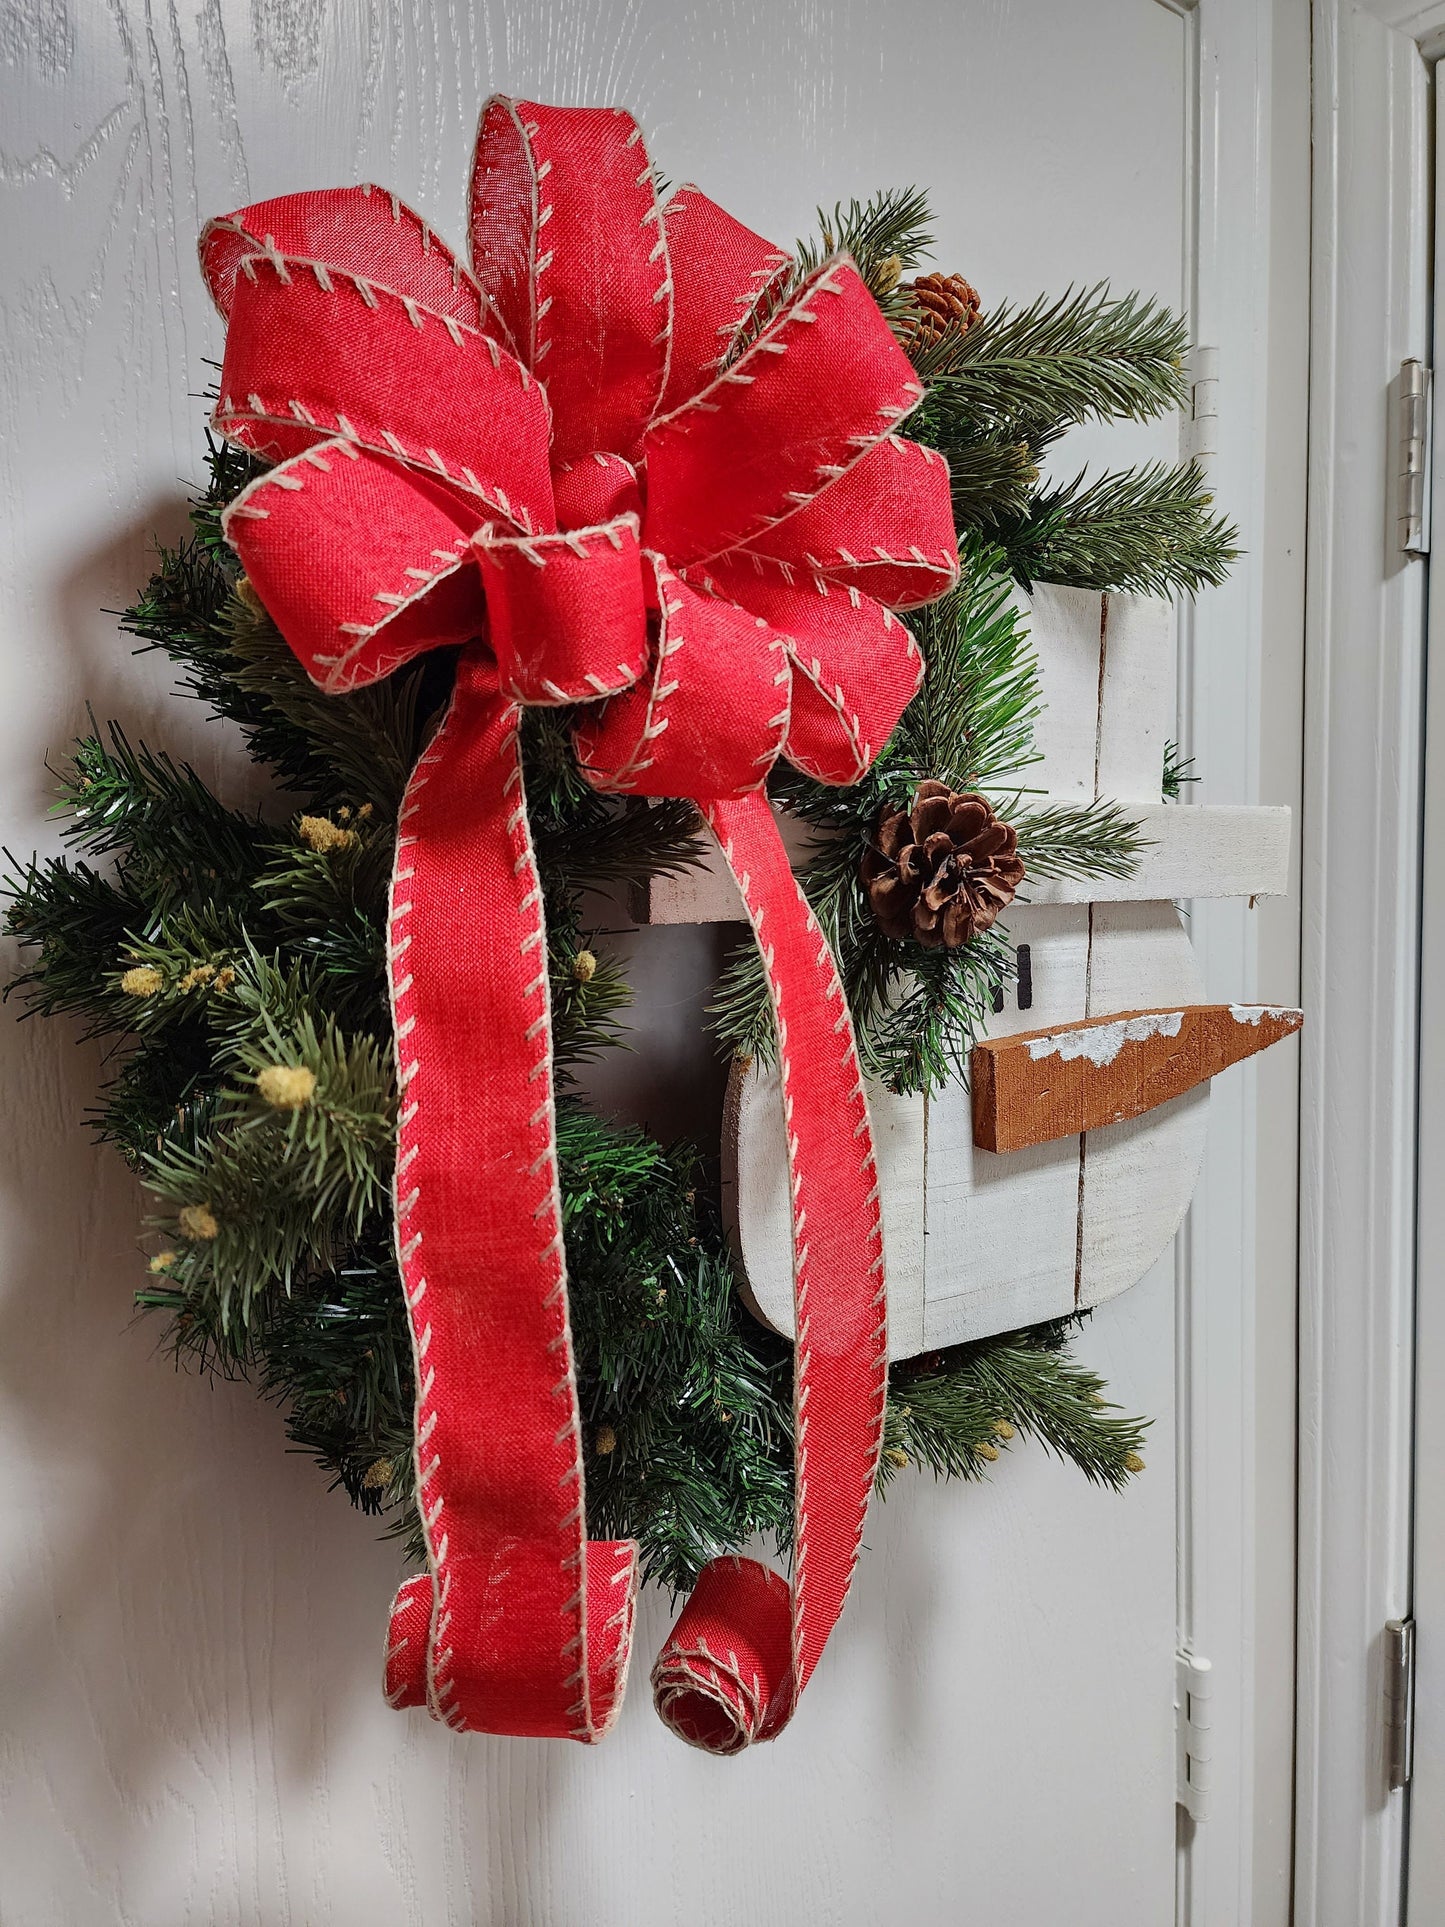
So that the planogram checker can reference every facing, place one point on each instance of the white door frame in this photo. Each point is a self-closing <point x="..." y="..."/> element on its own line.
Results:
<point x="1231" y="95"/>
<point x="1425" y="1860"/>
<point x="1370" y="310"/>
<point x="1425" y="1857"/>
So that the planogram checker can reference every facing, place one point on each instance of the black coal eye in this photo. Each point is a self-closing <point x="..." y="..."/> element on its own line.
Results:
<point x="1024" y="962"/>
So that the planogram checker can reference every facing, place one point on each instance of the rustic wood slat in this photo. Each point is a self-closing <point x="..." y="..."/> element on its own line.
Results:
<point x="1190" y="850"/>
<point x="1041" y="1085"/>
<point x="1136" y="700"/>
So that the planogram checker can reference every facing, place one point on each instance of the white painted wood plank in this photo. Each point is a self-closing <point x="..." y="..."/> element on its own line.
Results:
<point x="1139" y="1175"/>
<point x="975" y="1243"/>
<point x="1136" y="698"/>
<point x="1066" y="628"/>
<point x="1001" y="1244"/>
<point x="1190" y="850"/>
<point x="706" y="893"/>
<point x="1002" y="1231"/>
<point x="755" y="1200"/>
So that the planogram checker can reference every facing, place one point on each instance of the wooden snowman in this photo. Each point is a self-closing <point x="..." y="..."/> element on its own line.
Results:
<point x="1055" y="1180"/>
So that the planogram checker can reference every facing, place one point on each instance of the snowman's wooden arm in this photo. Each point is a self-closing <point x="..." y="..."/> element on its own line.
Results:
<point x="1191" y="851"/>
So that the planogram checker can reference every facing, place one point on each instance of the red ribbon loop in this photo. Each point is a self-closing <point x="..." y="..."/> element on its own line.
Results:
<point x="564" y="466"/>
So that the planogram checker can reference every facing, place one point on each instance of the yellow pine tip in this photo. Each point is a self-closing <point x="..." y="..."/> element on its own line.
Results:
<point x="1133" y="1462"/>
<point x="286" y="1087"/>
<point x="604" y="1442"/>
<point x="319" y="833"/>
<point x="198" y="1223"/>
<point x="584" y="966"/>
<point x="142" y="980"/>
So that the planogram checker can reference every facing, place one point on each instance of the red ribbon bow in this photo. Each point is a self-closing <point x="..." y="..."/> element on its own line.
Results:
<point x="567" y="465"/>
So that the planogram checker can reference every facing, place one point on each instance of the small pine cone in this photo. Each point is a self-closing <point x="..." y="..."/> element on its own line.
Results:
<point x="942" y="301"/>
<point x="942" y="871"/>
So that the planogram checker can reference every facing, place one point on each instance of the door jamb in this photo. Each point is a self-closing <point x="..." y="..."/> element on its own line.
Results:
<point x="1360" y="882"/>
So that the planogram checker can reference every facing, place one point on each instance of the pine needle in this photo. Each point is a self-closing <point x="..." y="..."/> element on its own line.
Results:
<point x="1087" y="356"/>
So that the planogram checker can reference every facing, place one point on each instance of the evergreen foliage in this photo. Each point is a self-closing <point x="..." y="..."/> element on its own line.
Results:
<point x="1000" y="393"/>
<point x="952" y="1411"/>
<point x="1178" y="772"/>
<point x="917" y="1010"/>
<point x="1003" y="391"/>
<point x="235" y="965"/>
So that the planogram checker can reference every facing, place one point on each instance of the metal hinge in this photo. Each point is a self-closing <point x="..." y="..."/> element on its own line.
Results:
<point x="1193" y="1686"/>
<point x="1204" y="405"/>
<point x="1399" y="1702"/>
<point x="1413" y="465"/>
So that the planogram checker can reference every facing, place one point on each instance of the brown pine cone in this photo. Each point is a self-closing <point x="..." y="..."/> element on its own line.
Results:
<point x="942" y="871"/>
<point x="942" y="301"/>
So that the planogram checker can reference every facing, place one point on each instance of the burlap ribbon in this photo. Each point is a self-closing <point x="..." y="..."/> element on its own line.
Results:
<point x="562" y="463"/>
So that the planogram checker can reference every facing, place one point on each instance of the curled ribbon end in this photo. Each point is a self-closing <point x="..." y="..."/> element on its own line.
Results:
<point x="725" y="1679"/>
<point x="407" y="1635"/>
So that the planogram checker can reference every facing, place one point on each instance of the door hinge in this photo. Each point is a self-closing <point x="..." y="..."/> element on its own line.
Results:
<point x="1204" y="405"/>
<point x="1193" y="1687"/>
<point x="1399" y="1702"/>
<point x="1413" y="464"/>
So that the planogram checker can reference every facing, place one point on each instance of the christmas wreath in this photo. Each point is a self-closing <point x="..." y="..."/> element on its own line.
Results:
<point x="237" y="963"/>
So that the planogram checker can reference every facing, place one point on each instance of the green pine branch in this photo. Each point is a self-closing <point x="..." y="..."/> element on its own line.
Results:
<point x="1075" y="839"/>
<point x="994" y="476"/>
<point x="158" y="812"/>
<point x="1087" y="356"/>
<point x="886" y="236"/>
<point x="73" y="922"/>
<point x="1148" y="531"/>
<point x="954" y="1411"/>
<point x="1178" y="772"/>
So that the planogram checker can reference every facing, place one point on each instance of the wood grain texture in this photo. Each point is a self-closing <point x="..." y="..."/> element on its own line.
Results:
<point x="1106" y="677"/>
<point x="1190" y="851"/>
<point x="958" y="1267"/>
<point x="1048" y="1084"/>
<point x="190" y="1626"/>
<point x="1090" y="1195"/>
<point x="1187" y="851"/>
<point x="978" y="1243"/>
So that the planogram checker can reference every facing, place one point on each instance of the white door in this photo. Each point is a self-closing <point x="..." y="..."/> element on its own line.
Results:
<point x="192" y="1625"/>
<point x="1425" y="1862"/>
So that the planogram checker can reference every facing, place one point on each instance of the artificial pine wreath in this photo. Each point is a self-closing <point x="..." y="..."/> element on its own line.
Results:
<point x="235" y="963"/>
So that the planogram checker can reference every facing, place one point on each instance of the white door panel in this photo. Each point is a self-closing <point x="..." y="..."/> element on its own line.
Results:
<point x="192" y="1627"/>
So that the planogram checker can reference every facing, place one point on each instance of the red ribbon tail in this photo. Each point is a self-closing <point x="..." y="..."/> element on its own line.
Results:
<point x="745" y="1645"/>
<point x="521" y="1625"/>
